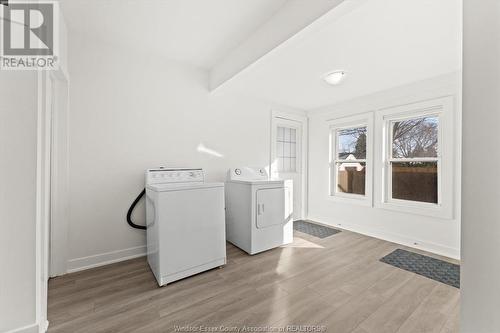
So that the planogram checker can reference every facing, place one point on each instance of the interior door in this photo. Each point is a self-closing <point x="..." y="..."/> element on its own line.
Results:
<point x="270" y="207"/>
<point x="287" y="162"/>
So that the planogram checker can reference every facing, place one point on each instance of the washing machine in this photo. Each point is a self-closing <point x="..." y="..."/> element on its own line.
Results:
<point x="258" y="210"/>
<point x="185" y="223"/>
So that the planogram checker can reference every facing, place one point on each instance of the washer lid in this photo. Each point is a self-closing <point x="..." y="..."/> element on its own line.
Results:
<point x="181" y="186"/>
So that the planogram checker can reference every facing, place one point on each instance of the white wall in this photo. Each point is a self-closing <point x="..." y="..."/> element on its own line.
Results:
<point x="433" y="234"/>
<point x="18" y="150"/>
<point x="131" y="111"/>
<point x="480" y="292"/>
<point x="63" y="44"/>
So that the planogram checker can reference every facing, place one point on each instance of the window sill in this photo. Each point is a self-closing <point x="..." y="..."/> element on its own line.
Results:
<point x="351" y="199"/>
<point x="417" y="208"/>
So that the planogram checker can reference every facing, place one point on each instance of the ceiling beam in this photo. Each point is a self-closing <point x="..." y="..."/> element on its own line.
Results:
<point x="295" y="19"/>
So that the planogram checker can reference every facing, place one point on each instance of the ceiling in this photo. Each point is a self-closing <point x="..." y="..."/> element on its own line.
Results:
<point x="380" y="44"/>
<point x="197" y="32"/>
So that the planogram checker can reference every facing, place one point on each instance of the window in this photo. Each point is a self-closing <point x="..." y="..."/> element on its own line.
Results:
<point x="350" y="160"/>
<point x="286" y="149"/>
<point x="351" y="178"/>
<point x="417" y="160"/>
<point x="401" y="158"/>
<point x="414" y="159"/>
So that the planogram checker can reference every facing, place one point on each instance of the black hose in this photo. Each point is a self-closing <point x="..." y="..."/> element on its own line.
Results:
<point x="131" y="209"/>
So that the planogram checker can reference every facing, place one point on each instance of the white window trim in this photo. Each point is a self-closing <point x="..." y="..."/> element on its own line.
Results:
<point x="441" y="107"/>
<point x="360" y="120"/>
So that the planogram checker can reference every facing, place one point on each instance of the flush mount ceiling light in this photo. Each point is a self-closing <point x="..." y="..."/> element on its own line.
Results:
<point x="334" y="77"/>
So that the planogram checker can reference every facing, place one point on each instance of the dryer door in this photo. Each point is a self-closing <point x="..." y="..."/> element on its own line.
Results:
<point x="270" y="207"/>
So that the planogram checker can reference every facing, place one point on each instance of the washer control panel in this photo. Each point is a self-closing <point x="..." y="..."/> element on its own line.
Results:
<point x="168" y="175"/>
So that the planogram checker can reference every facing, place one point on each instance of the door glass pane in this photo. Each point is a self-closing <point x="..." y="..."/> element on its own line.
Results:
<point x="286" y="149"/>
<point x="415" y="181"/>
<point x="416" y="137"/>
<point x="279" y="149"/>
<point x="351" y="143"/>
<point x="293" y="149"/>
<point x="280" y="134"/>
<point x="280" y="163"/>
<point x="286" y="137"/>
<point x="286" y="164"/>
<point x="351" y="178"/>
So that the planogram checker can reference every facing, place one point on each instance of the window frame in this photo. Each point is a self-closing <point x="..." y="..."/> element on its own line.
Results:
<point x="441" y="108"/>
<point x="336" y="125"/>
<point x="390" y="160"/>
<point x="336" y="162"/>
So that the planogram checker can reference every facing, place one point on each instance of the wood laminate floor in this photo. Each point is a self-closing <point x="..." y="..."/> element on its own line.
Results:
<point x="337" y="283"/>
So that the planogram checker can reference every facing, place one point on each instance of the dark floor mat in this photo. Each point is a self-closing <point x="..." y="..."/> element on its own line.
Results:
<point x="429" y="267"/>
<point x="313" y="229"/>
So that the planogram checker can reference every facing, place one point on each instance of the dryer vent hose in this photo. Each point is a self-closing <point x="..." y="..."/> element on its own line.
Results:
<point x="131" y="209"/>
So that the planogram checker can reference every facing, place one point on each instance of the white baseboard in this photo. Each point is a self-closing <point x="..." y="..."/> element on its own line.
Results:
<point x="439" y="249"/>
<point x="80" y="264"/>
<point x="33" y="328"/>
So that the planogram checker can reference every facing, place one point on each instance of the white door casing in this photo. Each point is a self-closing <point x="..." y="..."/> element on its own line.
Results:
<point x="59" y="178"/>
<point x="52" y="103"/>
<point x="43" y="201"/>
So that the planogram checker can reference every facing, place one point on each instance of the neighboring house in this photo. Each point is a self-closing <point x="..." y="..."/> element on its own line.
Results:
<point x="349" y="157"/>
